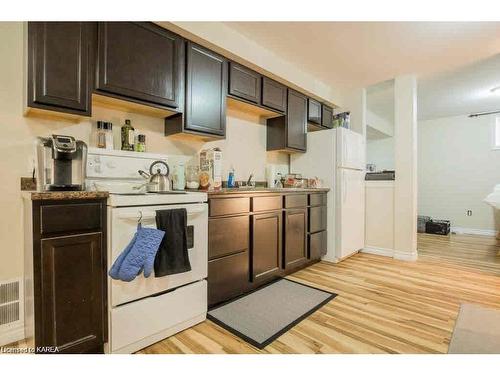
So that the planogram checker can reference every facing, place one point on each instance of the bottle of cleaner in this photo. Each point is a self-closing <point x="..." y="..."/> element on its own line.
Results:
<point x="230" y="178"/>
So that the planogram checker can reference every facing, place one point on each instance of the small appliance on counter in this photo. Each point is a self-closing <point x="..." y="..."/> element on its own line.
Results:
<point x="61" y="163"/>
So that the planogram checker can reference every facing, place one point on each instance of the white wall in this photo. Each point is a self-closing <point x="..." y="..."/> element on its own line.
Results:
<point x="379" y="123"/>
<point x="244" y="146"/>
<point x="457" y="168"/>
<point x="381" y="153"/>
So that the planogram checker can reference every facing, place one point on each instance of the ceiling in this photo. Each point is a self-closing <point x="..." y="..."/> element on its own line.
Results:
<point x="460" y="91"/>
<point x="452" y="93"/>
<point x="358" y="54"/>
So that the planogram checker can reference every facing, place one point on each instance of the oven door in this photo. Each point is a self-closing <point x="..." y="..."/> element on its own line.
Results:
<point x="123" y="225"/>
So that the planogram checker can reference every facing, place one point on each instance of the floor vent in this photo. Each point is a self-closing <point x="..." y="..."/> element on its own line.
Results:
<point x="10" y="303"/>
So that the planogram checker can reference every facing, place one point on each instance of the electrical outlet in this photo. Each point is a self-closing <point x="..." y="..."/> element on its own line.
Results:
<point x="469" y="213"/>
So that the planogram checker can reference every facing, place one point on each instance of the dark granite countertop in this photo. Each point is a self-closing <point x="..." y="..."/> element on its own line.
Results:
<point x="65" y="195"/>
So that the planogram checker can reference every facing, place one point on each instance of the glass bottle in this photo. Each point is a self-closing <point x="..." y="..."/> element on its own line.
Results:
<point x="192" y="177"/>
<point x="100" y="135"/>
<point x="127" y="136"/>
<point x="140" y="145"/>
<point x="109" y="135"/>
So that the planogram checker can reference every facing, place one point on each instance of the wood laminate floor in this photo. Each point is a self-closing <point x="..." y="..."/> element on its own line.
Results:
<point x="383" y="305"/>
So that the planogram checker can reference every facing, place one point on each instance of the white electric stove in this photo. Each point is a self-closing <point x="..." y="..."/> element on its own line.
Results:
<point x="147" y="310"/>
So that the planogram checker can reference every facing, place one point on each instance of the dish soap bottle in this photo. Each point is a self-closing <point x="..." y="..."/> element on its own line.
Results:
<point x="128" y="136"/>
<point x="230" y="178"/>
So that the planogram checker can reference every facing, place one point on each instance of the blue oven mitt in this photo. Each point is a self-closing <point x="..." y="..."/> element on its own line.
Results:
<point x="142" y="253"/>
<point x="115" y="269"/>
<point x="138" y="255"/>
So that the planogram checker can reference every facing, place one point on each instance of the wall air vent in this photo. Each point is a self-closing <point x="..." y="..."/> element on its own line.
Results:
<point x="11" y="309"/>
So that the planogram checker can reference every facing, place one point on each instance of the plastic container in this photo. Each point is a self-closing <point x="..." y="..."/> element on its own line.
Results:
<point x="178" y="177"/>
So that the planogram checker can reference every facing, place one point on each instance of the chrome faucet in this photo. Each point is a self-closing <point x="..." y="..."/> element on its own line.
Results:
<point x="249" y="181"/>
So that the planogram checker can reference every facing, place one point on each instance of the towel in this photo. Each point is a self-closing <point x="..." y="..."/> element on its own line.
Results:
<point x="172" y="256"/>
<point x="138" y="256"/>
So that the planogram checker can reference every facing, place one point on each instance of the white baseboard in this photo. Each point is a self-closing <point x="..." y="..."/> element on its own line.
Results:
<point x="13" y="334"/>
<point x="378" y="251"/>
<point x="405" y="255"/>
<point x="401" y="255"/>
<point x="479" y="232"/>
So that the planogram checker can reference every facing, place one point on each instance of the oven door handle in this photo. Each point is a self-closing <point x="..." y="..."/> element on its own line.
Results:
<point x="152" y="214"/>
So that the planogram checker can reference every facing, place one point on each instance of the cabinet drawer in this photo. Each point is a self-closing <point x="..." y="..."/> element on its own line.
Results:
<point x="227" y="277"/>
<point x="156" y="313"/>
<point x="317" y="245"/>
<point x="317" y="219"/>
<point x="297" y="200"/>
<point x="227" y="236"/>
<point x="317" y="199"/>
<point x="70" y="218"/>
<point x="229" y="206"/>
<point x="267" y="203"/>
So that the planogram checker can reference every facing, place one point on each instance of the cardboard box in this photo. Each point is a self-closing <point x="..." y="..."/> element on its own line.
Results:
<point x="211" y="169"/>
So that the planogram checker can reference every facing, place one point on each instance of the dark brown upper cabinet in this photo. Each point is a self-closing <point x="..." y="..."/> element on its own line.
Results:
<point x="206" y="90"/>
<point x="60" y="65"/>
<point x="140" y="61"/>
<point x="313" y="111"/>
<point x="327" y="116"/>
<point x="297" y="121"/>
<point x="273" y="95"/>
<point x="244" y="83"/>
<point x="289" y="132"/>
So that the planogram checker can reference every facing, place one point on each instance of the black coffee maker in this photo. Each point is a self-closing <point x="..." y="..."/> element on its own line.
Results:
<point x="62" y="162"/>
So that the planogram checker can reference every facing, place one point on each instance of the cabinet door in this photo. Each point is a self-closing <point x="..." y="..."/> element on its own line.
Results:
<point x="296" y="121"/>
<point x="72" y="299"/>
<point x="313" y="111"/>
<point x="295" y="237"/>
<point x="327" y="116"/>
<point x="266" y="249"/>
<point x="141" y="61"/>
<point x="206" y="85"/>
<point x="60" y="66"/>
<point x="317" y="245"/>
<point x="244" y="83"/>
<point x="273" y="94"/>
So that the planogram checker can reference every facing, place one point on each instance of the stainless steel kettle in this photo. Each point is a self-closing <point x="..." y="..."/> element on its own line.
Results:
<point x="158" y="181"/>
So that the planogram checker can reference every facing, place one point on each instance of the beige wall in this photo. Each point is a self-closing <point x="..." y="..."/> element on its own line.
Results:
<point x="457" y="168"/>
<point x="244" y="146"/>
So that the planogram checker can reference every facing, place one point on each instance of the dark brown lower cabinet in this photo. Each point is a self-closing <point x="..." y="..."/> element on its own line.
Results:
<point x="228" y="254"/>
<point x="227" y="277"/>
<point x="71" y="293"/>
<point x="266" y="245"/>
<point x="295" y="237"/>
<point x="256" y="237"/>
<point x="69" y="278"/>
<point x="317" y="245"/>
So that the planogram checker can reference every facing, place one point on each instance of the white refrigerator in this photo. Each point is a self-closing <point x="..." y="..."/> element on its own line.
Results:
<point x="337" y="157"/>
